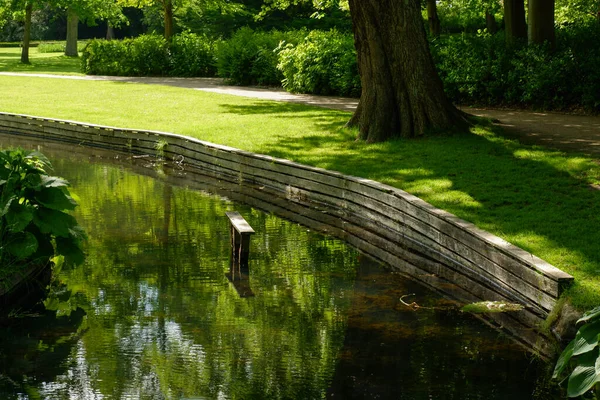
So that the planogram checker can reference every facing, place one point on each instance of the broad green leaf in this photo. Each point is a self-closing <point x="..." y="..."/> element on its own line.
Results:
<point x="589" y="315"/>
<point x="54" y="222"/>
<point x="22" y="245"/>
<point x="6" y="206"/>
<point x="56" y="199"/>
<point x="563" y="360"/>
<point x="19" y="216"/>
<point x="584" y="376"/>
<point x="53" y="181"/>
<point x="587" y="338"/>
<point x="71" y="250"/>
<point x="36" y="156"/>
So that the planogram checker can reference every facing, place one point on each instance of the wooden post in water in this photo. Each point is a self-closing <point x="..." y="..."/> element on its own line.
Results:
<point x="240" y="249"/>
<point x="240" y="238"/>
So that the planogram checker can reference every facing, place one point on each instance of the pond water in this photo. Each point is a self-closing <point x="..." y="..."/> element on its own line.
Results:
<point x="153" y="313"/>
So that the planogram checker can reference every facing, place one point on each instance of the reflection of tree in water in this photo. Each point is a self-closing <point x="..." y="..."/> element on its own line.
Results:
<point x="36" y="346"/>
<point x="164" y="322"/>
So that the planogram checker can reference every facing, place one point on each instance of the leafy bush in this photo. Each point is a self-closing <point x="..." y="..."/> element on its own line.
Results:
<point x="33" y="223"/>
<point x="324" y="63"/>
<point x="582" y="357"/>
<point x="481" y="69"/>
<point x="150" y="55"/>
<point x="192" y="55"/>
<point x="146" y="55"/>
<point x="250" y="58"/>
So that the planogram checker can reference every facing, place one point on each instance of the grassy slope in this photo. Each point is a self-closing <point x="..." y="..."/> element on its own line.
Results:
<point x="537" y="199"/>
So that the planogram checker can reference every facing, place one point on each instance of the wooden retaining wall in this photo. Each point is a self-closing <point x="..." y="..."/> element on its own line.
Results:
<point x="396" y="227"/>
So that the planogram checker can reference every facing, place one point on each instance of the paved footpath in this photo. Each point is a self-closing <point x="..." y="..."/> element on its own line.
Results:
<point x="575" y="133"/>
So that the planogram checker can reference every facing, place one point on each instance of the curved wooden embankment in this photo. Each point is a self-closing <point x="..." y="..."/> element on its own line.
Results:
<point x="413" y="237"/>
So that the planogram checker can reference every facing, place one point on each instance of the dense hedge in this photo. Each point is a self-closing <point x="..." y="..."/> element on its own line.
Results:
<point x="481" y="69"/>
<point x="150" y="55"/>
<point x="251" y="58"/>
<point x="324" y="63"/>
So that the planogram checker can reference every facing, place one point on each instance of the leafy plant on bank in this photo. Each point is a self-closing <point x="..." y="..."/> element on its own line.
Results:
<point x="34" y="223"/>
<point x="582" y="358"/>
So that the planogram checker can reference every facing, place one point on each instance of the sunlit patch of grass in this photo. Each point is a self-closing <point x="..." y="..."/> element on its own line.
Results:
<point x="536" y="198"/>
<point x="40" y="63"/>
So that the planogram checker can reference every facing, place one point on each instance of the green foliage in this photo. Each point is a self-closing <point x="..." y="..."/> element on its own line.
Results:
<point x="324" y="63"/>
<point x="481" y="69"/>
<point x="33" y="223"/>
<point x="146" y="55"/>
<point x="192" y="55"/>
<point x="466" y="15"/>
<point x="250" y="58"/>
<point x="150" y="55"/>
<point x="582" y="356"/>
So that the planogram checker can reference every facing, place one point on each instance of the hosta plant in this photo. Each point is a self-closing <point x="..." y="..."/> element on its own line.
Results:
<point x="582" y="358"/>
<point x="34" y="221"/>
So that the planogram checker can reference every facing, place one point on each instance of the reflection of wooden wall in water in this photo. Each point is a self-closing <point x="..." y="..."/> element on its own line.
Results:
<point x="410" y="235"/>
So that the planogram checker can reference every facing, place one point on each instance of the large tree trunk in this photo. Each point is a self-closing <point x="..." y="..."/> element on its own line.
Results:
<point x="433" y="18"/>
<point x="490" y="22"/>
<point x="26" y="34"/>
<point x="514" y="20"/>
<point x="72" y="33"/>
<point x="169" y="24"/>
<point x="110" y="31"/>
<point x="402" y="94"/>
<point x="541" y="22"/>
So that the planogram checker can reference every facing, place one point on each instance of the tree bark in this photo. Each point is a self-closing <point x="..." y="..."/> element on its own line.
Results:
<point x="402" y="94"/>
<point x="110" y="31"/>
<point x="514" y="20"/>
<point x="490" y="22"/>
<point x="72" y="33"/>
<point x="541" y="22"/>
<point x="26" y="34"/>
<point x="433" y="18"/>
<point x="169" y="23"/>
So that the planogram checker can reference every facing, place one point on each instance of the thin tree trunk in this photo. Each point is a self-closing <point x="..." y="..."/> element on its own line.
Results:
<point x="541" y="22"/>
<point x="26" y="34"/>
<point x="490" y="22"/>
<point x="514" y="20"/>
<point x="110" y="31"/>
<point x="433" y="18"/>
<point x="72" y="33"/>
<point x="402" y="94"/>
<point x="169" y="24"/>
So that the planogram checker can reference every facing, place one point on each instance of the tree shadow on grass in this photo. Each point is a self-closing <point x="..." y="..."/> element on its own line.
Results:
<point x="538" y="199"/>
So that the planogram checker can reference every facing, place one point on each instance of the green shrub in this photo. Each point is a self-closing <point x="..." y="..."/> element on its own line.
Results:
<point x="250" y="58"/>
<point x="146" y="55"/>
<point x="33" y="223"/>
<point x="324" y="63"/>
<point x="192" y="55"/>
<point x="481" y="69"/>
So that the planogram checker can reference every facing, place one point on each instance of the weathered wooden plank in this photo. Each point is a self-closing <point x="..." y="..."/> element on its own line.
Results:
<point x="239" y="223"/>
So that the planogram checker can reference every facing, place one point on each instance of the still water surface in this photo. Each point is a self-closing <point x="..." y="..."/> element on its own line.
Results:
<point x="153" y="314"/>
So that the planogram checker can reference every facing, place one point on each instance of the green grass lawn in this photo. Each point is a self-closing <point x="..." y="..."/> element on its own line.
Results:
<point x="40" y="63"/>
<point x="538" y="199"/>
